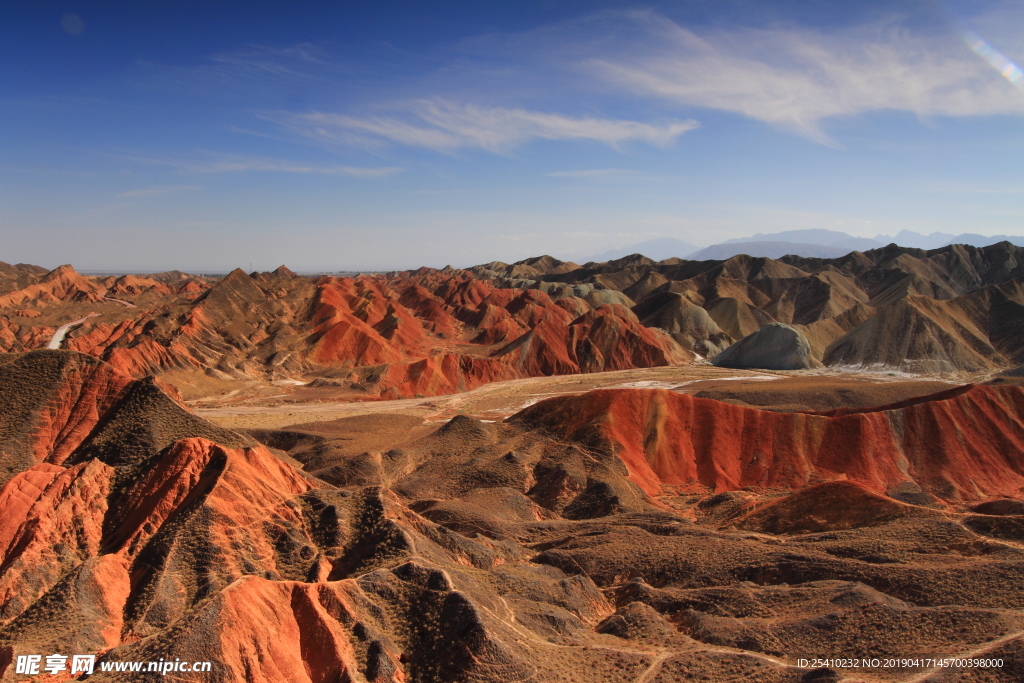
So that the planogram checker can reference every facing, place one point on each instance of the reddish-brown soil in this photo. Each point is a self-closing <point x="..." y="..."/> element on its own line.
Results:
<point x="615" y="535"/>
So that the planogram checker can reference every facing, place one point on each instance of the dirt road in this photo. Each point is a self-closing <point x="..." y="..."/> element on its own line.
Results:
<point x="58" y="336"/>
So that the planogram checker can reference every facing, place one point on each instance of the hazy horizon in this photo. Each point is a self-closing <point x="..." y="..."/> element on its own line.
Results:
<point x="251" y="267"/>
<point x="381" y="136"/>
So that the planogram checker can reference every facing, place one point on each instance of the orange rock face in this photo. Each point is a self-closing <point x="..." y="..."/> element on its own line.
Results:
<point x="409" y="325"/>
<point x="422" y="333"/>
<point x="347" y="336"/>
<point x="965" y="444"/>
<point x="238" y="484"/>
<point x="133" y="285"/>
<point x="19" y="495"/>
<point x="62" y="527"/>
<point x="63" y="545"/>
<point x="270" y="631"/>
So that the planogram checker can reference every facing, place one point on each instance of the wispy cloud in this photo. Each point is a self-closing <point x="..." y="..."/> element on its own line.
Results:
<point x="258" y="69"/>
<point x="156" y="190"/>
<point x="239" y="164"/>
<point x="290" y="61"/>
<point x="446" y="126"/>
<point x="498" y="91"/>
<point x="797" y="78"/>
<point x="232" y="163"/>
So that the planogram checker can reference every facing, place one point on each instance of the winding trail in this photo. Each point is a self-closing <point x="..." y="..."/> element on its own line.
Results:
<point x="58" y="336"/>
<point x="129" y="304"/>
<point x="654" y="667"/>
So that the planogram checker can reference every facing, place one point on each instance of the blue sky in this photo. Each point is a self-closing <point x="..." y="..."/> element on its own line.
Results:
<point x="379" y="135"/>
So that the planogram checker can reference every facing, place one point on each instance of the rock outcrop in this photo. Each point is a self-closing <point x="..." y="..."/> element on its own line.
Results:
<point x="773" y="347"/>
<point x="685" y="321"/>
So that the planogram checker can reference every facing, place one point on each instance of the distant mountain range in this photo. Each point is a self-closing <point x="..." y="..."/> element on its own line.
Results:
<point x="906" y="238"/>
<point x="657" y="249"/>
<point x="976" y="240"/>
<point x="770" y="249"/>
<point x="824" y="238"/>
<point x="816" y="243"/>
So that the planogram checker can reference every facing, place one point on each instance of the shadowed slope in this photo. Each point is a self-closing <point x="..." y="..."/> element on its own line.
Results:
<point x="50" y="401"/>
<point x="829" y="506"/>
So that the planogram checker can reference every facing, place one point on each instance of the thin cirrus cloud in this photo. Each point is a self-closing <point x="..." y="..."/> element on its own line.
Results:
<point x="793" y="78"/>
<point x="287" y="62"/>
<point x="258" y="70"/>
<point x="797" y="78"/>
<point x="447" y="126"/>
<point x="232" y="163"/>
<point x="240" y="164"/>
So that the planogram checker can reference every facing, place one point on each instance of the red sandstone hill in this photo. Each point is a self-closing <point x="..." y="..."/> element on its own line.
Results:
<point x="964" y="444"/>
<point x="60" y="284"/>
<point x="427" y="334"/>
<point x="480" y="552"/>
<point x="958" y="309"/>
<point x="19" y="276"/>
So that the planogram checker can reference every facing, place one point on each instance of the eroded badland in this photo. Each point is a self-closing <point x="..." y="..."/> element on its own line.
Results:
<point x="622" y="471"/>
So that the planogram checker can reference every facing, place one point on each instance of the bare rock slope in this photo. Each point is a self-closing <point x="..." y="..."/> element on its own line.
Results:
<point x="773" y="347"/>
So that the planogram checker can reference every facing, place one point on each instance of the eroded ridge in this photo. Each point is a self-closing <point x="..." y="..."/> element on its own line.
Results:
<point x="615" y="535"/>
